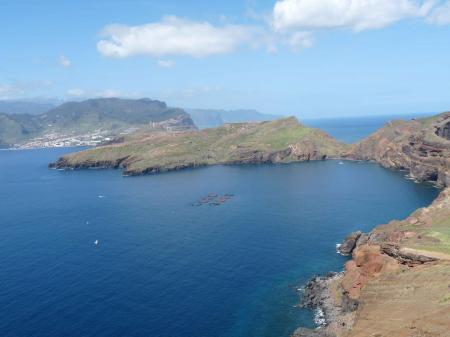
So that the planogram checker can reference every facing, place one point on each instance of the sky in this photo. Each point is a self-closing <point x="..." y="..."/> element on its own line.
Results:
<point x="310" y="58"/>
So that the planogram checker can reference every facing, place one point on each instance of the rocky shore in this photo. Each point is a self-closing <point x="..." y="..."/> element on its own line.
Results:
<point x="397" y="276"/>
<point x="398" y="280"/>
<point x="397" y="283"/>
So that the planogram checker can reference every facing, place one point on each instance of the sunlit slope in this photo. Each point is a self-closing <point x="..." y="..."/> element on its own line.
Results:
<point x="280" y="141"/>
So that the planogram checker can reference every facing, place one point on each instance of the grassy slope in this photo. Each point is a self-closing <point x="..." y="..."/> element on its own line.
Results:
<point x="226" y="144"/>
<point x="428" y="228"/>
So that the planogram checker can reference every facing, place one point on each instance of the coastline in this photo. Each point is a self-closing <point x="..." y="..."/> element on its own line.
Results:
<point x="387" y="259"/>
<point x="383" y="254"/>
<point x="399" y="270"/>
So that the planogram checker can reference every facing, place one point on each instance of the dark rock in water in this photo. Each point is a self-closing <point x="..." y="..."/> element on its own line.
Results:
<point x="303" y="332"/>
<point x="315" y="292"/>
<point x="347" y="246"/>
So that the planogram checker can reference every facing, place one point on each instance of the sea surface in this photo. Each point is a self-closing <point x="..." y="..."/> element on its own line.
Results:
<point x="353" y="129"/>
<point x="166" y="267"/>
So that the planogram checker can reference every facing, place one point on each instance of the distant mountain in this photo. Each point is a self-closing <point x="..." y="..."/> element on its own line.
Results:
<point x="113" y="113"/>
<point x="31" y="107"/>
<point x="210" y="118"/>
<point x="17" y="128"/>
<point x="106" y="117"/>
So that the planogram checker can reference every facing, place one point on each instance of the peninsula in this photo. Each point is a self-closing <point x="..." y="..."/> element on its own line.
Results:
<point x="397" y="282"/>
<point x="280" y="141"/>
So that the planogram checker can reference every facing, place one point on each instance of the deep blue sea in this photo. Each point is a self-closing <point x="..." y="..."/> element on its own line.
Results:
<point x="166" y="268"/>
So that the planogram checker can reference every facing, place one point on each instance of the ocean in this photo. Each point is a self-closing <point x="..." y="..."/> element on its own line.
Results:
<point x="353" y="129"/>
<point x="173" y="259"/>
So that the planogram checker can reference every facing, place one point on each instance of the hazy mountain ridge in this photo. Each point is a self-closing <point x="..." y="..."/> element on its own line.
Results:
<point x="17" y="128"/>
<point x="30" y="107"/>
<point x="102" y="118"/>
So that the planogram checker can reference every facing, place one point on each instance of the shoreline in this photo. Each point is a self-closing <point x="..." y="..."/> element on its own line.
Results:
<point x="390" y="257"/>
<point x="339" y="296"/>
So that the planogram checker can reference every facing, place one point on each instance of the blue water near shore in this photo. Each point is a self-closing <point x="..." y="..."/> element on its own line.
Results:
<point x="165" y="268"/>
<point x="352" y="129"/>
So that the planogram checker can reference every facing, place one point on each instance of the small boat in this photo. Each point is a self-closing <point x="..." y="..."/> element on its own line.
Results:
<point x="341" y="163"/>
<point x="101" y="196"/>
<point x="96" y="242"/>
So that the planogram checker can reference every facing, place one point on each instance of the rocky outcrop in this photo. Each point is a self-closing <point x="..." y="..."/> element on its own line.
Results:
<point x="397" y="275"/>
<point x="420" y="146"/>
<point x="443" y="130"/>
<point x="349" y="243"/>
<point x="399" y="272"/>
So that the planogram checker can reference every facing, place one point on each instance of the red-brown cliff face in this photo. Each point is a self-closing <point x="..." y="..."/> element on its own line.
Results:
<point x="421" y="146"/>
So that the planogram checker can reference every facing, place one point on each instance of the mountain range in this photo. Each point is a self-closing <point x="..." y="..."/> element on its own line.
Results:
<point x="104" y="117"/>
<point x="31" y="107"/>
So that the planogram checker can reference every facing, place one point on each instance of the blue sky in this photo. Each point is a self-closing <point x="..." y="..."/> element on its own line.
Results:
<point x="311" y="58"/>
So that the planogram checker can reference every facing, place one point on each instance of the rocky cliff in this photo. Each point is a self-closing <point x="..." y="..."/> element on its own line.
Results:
<point x="396" y="284"/>
<point x="420" y="146"/>
<point x="398" y="280"/>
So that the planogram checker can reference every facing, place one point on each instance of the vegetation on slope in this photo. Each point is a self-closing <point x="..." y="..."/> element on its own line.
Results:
<point x="283" y="140"/>
<point x="108" y="114"/>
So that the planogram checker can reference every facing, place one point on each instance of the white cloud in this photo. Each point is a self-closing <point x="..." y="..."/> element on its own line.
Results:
<point x="300" y="40"/>
<point x="166" y="63"/>
<point x="76" y="92"/>
<point x="64" y="61"/>
<point x="173" y="36"/>
<point x="440" y="15"/>
<point x="357" y="15"/>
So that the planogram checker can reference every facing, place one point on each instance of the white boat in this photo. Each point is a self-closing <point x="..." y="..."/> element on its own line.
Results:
<point x="96" y="242"/>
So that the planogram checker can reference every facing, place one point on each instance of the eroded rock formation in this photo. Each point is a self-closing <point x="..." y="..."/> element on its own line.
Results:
<point x="420" y="146"/>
